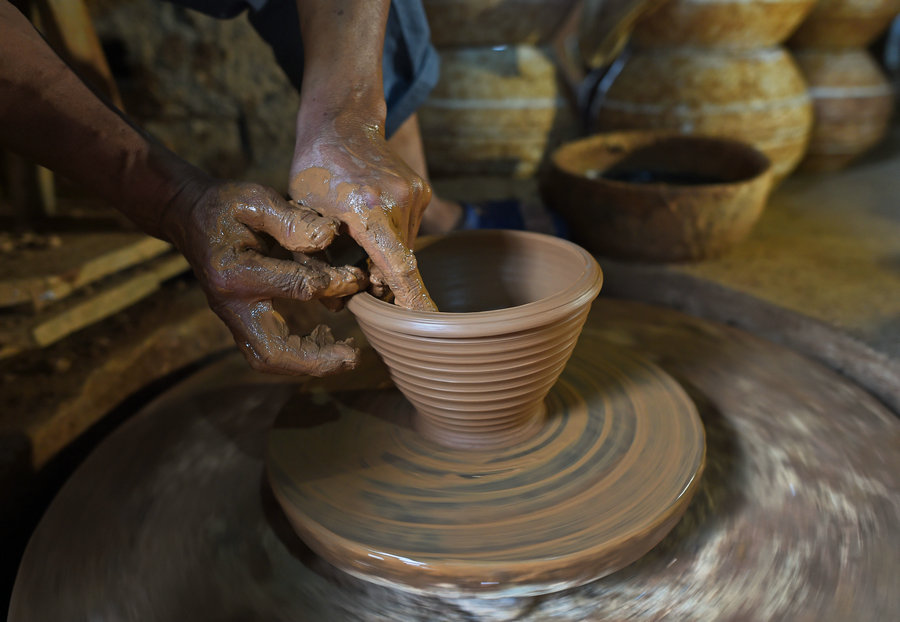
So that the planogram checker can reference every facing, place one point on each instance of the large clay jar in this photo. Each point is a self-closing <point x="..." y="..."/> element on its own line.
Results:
<point x="494" y="22"/>
<point x="755" y="96"/>
<point x="495" y="111"/>
<point x="512" y="307"/>
<point x="735" y="24"/>
<point x="853" y="102"/>
<point x="845" y="23"/>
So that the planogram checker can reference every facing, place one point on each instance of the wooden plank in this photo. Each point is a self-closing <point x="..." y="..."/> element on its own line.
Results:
<point x="41" y="276"/>
<point x="23" y="332"/>
<point x="68" y="27"/>
<point x="52" y="396"/>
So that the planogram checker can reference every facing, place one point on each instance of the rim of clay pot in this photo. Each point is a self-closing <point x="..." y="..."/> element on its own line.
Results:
<point x="586" y="282"/>
<point x="758" y="162"/>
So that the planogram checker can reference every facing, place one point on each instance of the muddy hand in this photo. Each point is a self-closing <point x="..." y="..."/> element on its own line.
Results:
<point x="226" y="235"/>
<point x="347" y="171"/>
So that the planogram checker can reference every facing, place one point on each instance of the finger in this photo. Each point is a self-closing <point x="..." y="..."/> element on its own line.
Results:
<point x="397" y="264"/>
<point x="294" y="226"/>
<point x="377" y="286"/>
<point x="374" y="230"/>
<point x="263" y="336"/>
<point x="257" y="276"/>
<point x="332" y="304"/>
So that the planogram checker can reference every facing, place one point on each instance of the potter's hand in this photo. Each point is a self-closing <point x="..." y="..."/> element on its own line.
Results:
<point x="223" y="235"/>
<point x="344" y="169"/>
<point x="48" y="115"/>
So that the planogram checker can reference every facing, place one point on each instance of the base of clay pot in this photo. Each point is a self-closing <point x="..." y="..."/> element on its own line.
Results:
<point x="495" y="438"/>
<point x="603" y="477"/>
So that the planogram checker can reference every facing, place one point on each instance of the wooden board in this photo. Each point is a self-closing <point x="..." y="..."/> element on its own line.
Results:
<point x="47" y="273"/>
<point x="52" y="396"/>
<point x="19" y="332"/>
<point x="797" y="516"/>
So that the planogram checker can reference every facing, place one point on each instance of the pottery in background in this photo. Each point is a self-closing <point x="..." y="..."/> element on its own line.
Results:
<point x="755" y="96"/>
<point x="512" y="304"/>
<point x="716" y="191"/>
<point x="494" y="22"/>
<point x="605" y="28"/>
<point x="741" y="24"/>
<point x="853" y="102"/>
<point x="845" y="23"/>
<point x="495" y="111"/>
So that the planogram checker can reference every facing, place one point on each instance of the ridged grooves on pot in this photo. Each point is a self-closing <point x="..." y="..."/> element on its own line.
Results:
<point x="844" y="23"/>
<point x="755" y="96"/>
<point x="513" y="307"/>
<point x="494" y="22"/>
<point x="734" y="24"/>
<point x="853" y="103"/>
<point x="494" y="111"/>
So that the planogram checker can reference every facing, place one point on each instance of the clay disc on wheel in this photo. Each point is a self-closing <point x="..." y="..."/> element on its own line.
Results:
<point x="608" y="475"/>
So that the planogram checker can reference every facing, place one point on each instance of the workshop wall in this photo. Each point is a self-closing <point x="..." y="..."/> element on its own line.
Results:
<point x="210" y="89"/>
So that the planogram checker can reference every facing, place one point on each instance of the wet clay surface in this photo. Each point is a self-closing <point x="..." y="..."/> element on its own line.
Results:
<point x="512" y="306"/>
<point x="796" y="517"/>
<point x="608" y="475"/>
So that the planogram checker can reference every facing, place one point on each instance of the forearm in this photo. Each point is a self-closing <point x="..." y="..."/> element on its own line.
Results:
<point x="343" y="42"/>
<point x="50" y="116"/>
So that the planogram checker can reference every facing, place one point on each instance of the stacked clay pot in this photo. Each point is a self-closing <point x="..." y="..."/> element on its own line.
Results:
<point x="853" y="99"/>
<point x="842" y="24"/>
<point x="498" y="108"/>
<point x="715" y="67"/>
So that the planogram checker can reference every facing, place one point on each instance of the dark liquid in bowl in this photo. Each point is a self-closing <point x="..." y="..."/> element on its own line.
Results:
<point x="644" y="176"/>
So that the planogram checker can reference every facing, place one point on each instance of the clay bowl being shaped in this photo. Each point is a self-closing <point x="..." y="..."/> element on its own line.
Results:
<point x="654" y="196"/>
<point x="512" y="305"/>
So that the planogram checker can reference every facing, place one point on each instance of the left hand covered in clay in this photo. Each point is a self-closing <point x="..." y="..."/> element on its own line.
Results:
<point x="344" y="169"/>
<point x="224" y="230"/>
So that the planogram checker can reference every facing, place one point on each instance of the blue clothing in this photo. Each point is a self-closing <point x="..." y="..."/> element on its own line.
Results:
<point x="410" y="63"/>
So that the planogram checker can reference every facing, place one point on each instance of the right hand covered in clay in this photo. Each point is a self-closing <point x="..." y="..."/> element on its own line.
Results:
<point x="219" y="229"/>
<point x="344" y="169"/>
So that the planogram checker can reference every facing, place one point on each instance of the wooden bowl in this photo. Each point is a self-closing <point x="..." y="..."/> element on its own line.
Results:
<point x="658" y="196"/>
<point x="512" y="307"/>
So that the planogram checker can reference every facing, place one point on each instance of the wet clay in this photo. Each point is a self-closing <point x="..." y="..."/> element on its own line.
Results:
<point x="481" y="486"/>
<point x="346" y="171"/>
<point x="607" y="475"/>
<point x="512" y="306"/>
<point x="796" y="516"/>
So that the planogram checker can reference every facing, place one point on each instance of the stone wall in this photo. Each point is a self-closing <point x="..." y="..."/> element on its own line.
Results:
<point x="210" y="89"/>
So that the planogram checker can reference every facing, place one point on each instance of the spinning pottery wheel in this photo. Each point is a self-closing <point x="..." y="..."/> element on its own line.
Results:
<point x="797" y="515"/>
<point x="489" y="486"/>
<point x="611" y="471"/>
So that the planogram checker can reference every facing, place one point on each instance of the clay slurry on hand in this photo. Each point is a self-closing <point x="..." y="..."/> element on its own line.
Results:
<point x="514" y="303"/>
<point x="219" y="234"/>
<point x="347" y="171"/>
